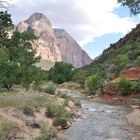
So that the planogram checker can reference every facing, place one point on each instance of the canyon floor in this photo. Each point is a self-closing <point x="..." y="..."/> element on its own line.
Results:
<point x="96" y="121"/>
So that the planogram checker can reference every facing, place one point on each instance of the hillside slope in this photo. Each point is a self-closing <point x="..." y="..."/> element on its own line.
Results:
<point x="119" y="56"/>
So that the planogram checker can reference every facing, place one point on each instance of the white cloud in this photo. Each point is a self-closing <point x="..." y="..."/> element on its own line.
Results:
<point x="83" y="19"/>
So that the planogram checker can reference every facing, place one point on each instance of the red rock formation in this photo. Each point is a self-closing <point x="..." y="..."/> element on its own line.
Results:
<point x="132" y="73"/>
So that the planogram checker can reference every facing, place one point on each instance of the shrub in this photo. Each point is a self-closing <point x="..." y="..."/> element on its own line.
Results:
<point x="47" y="135"/>
<point x="66" y="102"/>
<point x="58" y="121"/>
<point x="56" y="111"/>
<point x="51" y="88"/>
<point x="62" y="95"/>
<point x="78" y="103"/>
<point x="124" y="86"/>
<point x="28" y="110"/>
<point x="92" y="83"/>
<point x="135" y="85"/>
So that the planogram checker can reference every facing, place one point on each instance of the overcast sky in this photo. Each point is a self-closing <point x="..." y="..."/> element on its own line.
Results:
<point x="85" y="20"/>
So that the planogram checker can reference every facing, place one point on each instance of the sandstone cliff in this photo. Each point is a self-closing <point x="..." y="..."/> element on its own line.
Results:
<point x="53" y="45"/>
<point x="45" y="44"/>
<point x="70" y="50"/>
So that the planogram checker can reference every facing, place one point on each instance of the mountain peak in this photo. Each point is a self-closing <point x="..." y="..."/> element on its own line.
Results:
<point x="37" y="16"/>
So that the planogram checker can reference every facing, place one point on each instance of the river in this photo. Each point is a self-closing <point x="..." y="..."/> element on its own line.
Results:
<point x="99" y="122"/>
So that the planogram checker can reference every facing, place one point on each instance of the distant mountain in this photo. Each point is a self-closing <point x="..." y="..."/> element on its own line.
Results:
<point x="54" y="45"/>
<point x="70" y="50"/>
<point x="120" y="56"/>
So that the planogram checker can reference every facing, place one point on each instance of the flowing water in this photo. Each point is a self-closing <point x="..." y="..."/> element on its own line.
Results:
<point x="99" y="122"/>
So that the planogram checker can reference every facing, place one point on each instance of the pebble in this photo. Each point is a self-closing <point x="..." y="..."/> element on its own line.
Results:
<point x="92" y="110"/>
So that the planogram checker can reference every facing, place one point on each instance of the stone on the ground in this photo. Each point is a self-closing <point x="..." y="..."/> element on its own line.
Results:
<point x="134" y="117"/>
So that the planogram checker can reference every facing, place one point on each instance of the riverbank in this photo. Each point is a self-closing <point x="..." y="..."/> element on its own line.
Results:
<point x="102" y="121"/>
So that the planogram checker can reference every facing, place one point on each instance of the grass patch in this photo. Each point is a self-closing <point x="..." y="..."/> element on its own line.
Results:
<point x="46" y="133"/>
<point x="62" y="95"/>
<point x="57" y="111"/>
<point x="28" y="110"/>
<point x="6" y="128"/>
<point x="59" y="121"/>
<point x="51" y="88"/>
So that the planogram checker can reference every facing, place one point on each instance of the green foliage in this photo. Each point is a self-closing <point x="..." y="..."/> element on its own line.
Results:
<point x="56" y="111"/>
<point x="92" y="83"/>
<point x="134" y="5"/>
<point x="135" y="85"/>
<point x="62" y="95"/>
<point x="110" y="65"/>
<point x="137" y="62"/>
<point x="9" y="71"/>
<point x="124" y="86"/>
<point x="17" y="56"/>
<point x="47" y="134"/>
<point x="59" y="121"/>
<point x="51" y="88"/>
<point x="61" y="72"/>
<point x="5" y="25"/>
<point x="28" y="110"/>
<point x="122" y="61"/>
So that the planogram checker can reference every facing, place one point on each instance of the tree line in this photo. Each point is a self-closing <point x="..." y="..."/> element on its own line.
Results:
<point x="17" y="56"/>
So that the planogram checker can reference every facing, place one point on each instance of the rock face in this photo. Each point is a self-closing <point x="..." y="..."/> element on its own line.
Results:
<point x="53" y="45"/>
<point x="45" y="44"/>
<point x="132" y="74"/>
<point x="70" y="50"/>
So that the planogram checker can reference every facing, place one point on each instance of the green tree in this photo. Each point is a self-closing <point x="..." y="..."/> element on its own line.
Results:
<point x="92" y="83"/>
<point x="61" y="72"/>
<point x="21" y="51"/>
<point x="17" y="55"/>
<point x="5" y="26"/>
<point x="9" y="71"/>
<point x="134" y="5"/>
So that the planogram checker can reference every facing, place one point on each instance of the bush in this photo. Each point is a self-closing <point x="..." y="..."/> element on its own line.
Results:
<point x="58" y="121"/>
<point x="92" y="83"/>
<point x="62" y="95"/>
<point x="51" y="88"/>
<point x="28" y="110"/>
<point x="56" y="111"/>
<point x="124" y="86"/>
<point x="135" y="85"/>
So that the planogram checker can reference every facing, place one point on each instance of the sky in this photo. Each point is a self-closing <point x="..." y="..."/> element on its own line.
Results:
<point x="94" y="24"/>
